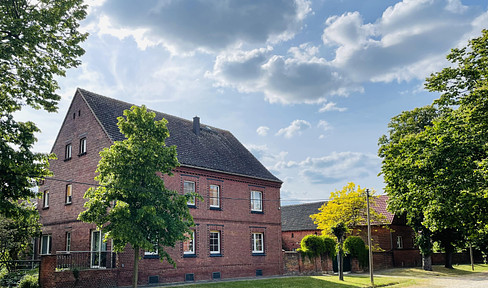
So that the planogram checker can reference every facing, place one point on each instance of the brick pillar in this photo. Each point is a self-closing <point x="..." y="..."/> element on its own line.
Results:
<point x="355" y="268"/>
<point x="46" y="271"/>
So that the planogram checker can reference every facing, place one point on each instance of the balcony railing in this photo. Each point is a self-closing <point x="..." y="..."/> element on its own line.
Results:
<point x="85" y="260"/>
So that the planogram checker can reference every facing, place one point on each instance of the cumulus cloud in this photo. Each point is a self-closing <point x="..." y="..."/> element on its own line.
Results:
<point x="409" y="41"/>
<point x="338" y="167"/>
<point x="324" y="125"/>
<point x="262" y="130"/>
<point x="296" y="127"/>
<point x="191" y="25"/>
<point x="300" y="77"/>
<point x="331" y="106"/>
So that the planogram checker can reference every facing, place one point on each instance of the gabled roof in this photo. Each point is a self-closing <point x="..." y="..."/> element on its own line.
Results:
<point x="213" y="149"/>
<point x="297" y="217"/>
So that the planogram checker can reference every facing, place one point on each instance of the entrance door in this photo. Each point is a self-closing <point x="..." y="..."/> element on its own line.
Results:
<point x="98" y="250"/>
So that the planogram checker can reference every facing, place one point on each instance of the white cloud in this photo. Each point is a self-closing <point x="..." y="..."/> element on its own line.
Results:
<point x="324" y="125"/>
<point x="409" y="41"/>
<point x="331" y="106"/>
<point x="262" y="130"/>
<point x="211" y="26"/>
<point x="296" y="127"/>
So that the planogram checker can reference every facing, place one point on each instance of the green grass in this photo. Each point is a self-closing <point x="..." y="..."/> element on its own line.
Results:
<point x="313" y="281"/>
<point x="438" y="270"/>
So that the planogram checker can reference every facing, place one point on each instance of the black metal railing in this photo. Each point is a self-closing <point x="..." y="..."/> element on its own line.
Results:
<point x="85" y="260"/>
<point x="21" y="265"/>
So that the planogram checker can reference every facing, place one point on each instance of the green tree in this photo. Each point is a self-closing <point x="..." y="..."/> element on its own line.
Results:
<point x="354" y="246"/>
<point x="146" y="215"/>
<point x="436" y="168"/>
<point x="347" y="206"/>
<point x="39" y="40"/>
<point x="16" y="233"/>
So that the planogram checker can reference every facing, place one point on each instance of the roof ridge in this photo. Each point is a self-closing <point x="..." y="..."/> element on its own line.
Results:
<point x="301" y="204"/>
<point x="152" y="110"/>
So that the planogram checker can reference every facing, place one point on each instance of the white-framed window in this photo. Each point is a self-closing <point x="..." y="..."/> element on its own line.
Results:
<point x="189" y="187"/>
<point x="46" y="244"/>
<point x="68" y="241"/>
<point x="155" y="251"/>
<point x="98" y="249"/>
<point x="257" y="243"/>
<point x="45" y="199"/>
<point x="69" y="193"/>
<point x="214" y="195"/>
<point x="257" y="201"/>
<point x="214" y="242"/>
<point x="399" y="242"/>
<point x="189" y="244"/>
<point x="83" y="146"/>
<point x="67" y="152"/>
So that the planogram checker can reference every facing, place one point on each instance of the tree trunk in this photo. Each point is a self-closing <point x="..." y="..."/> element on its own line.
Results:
<point x="449" y="252"/>
<point x="341" y="266"/>
<point x="427" y="262"/>
<point x="136" y="267"/>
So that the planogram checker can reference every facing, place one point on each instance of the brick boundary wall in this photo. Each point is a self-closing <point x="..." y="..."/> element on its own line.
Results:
<point x="296" y="264"/>
<point x="91" y="278"/>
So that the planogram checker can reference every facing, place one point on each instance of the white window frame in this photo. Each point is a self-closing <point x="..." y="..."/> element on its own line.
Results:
<point x="399" y="242"/>
<point x="255" y="242"/>
<point x="189" y="242"/>
<point x="257" y="202"/>
<point x="68" y="241"/>
<point x="214" y="232"/>
<point x="97" y="254"/>
<point x="45" y="200"/>
<point x="214" y="198"/>
<point x="48" y="238"/>
<point x="69" y="194"/>
<point x="68" y="151"/>
<point x="191" y="201"/>
<point x="83" y="146"/>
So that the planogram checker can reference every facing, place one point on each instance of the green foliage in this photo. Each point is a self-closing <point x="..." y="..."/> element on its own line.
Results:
<point x="10" y="279"/>
<point x="330" y="246"/>
<point x="16" y="234"/>
<point x="435" y="158"/>
<point x="346" y="206"/>
<point x="147" y="215"/>
<point x="39" y="40"/>
<point x="355" y="246"/>
<point x="312" y="246"/>
<point x="29" y="281"/>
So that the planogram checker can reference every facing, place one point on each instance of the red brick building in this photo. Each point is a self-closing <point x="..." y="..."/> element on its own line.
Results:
<point x="393" y="239"/>
<point x="238" y="225"/>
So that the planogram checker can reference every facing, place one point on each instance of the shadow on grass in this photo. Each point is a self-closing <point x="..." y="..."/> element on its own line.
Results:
<point x="309" y="282"/>
<point x="438" y="270"/>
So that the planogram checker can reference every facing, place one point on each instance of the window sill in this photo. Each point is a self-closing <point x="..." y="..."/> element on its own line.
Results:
<point x="67" y="159"/>
<point x="67" y="204"/>
<point x="216" y="255"/>
<point x="45" y="208"/>
<point x="257" y="212"/>
<point x="189" y="256"/>
<point x="215" y="208"/>
<point x="192" y="206"/>
<point x="258" y="254"/>
<point x="82" y="154"/>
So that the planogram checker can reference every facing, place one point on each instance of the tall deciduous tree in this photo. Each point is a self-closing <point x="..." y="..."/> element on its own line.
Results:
<point x="39" y="40"/>
<point x="436" y="168"/>
<point x="146" y="215"/>
<point x="347" y="206"/>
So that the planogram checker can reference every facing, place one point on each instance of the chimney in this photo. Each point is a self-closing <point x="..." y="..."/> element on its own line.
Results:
<point x="196" y="125"/>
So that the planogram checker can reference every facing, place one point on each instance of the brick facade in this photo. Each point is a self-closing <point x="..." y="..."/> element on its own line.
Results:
<point x="234" y="218"/>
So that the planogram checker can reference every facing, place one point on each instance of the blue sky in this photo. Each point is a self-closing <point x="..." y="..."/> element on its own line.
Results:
<point x="307" y="86"/>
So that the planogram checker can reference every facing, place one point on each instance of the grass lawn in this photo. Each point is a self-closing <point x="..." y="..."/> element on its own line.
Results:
<point x="438" y="270"/>
<point x="395" y="278"/>
<point x="314" y="281"/>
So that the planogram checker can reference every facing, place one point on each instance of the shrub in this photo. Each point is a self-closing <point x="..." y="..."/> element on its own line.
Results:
<point x="10" y="279"/>
<point x="29" y="281"/>
<point x="355" y="247"/>
<point x="330" y="246"/>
